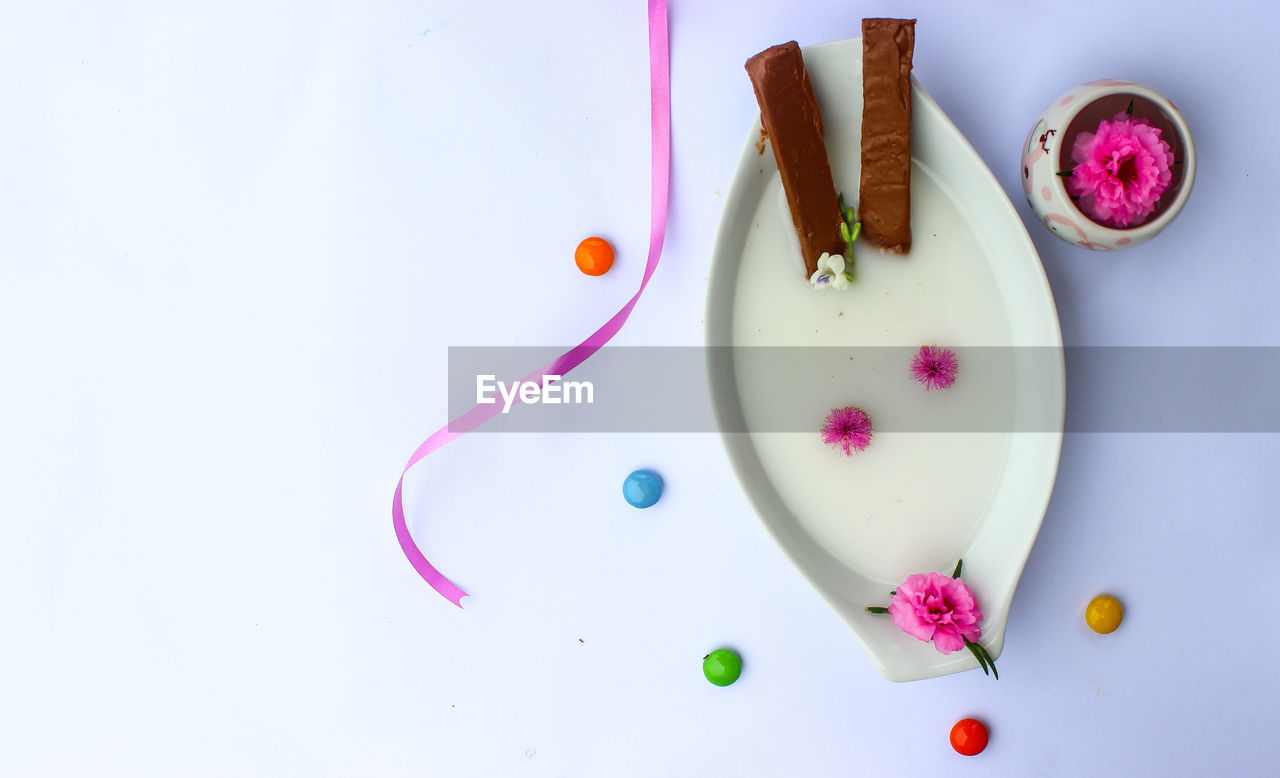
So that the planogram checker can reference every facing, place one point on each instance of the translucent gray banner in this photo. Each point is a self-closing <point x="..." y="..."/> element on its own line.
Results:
<point x="671" y="389"/>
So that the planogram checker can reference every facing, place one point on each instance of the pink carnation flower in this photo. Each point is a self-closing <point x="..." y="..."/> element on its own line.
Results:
<point x="932" y="606"/>
<point x="848" y="429"/>
<point x="1121" y="171"/>
<point x="935" y="367"/>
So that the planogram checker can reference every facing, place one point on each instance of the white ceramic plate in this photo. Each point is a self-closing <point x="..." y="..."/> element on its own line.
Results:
<point x="914" y="501"/>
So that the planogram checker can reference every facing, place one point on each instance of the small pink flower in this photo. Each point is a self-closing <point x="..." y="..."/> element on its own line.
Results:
<point x="932" y="606"/>
<point x="848" y="429"/>
<point x="935" y="367"/>
<point x="1121" y="171"/>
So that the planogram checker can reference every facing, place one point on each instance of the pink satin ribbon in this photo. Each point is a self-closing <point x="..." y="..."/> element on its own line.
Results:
<point x="660" y="117"/>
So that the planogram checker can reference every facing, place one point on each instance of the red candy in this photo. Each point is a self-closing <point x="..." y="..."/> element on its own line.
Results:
<point x="969" y="737"/>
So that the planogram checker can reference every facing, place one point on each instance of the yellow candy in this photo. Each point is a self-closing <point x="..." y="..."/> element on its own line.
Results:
<point x="1104" y="614"/>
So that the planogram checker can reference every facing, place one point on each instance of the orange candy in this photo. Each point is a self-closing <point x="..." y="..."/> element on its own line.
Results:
<point x="594" y="256"/>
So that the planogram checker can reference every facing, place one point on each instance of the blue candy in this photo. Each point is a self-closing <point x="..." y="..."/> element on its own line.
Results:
<point x="642" y="488"/>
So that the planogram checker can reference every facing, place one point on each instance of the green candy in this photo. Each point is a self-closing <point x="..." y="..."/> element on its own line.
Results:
<point x="722" y="666"/>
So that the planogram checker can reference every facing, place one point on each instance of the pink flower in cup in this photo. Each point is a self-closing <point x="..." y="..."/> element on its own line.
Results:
<point x="932" y="606"/>
<point x="1120" y="171"/>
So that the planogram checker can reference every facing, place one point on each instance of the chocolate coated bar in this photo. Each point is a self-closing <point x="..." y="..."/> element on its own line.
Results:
<point x="789" y="113"/>
<point x="884" y="192"/>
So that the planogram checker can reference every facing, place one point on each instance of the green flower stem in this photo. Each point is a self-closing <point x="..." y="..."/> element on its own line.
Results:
<point x="850" y="227"/>
<point x="984" y="658"/>
<point x="876" y="609"/>
<point x="959" y="564"/>
<point x="982" y="662"/>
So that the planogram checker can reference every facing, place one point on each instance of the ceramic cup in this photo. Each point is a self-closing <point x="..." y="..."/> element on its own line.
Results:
<point x="1047" y="152"/>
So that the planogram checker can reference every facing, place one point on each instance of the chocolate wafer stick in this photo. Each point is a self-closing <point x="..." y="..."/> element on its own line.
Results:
<point x="790" y="116"/>
<point x="884" y="191"/>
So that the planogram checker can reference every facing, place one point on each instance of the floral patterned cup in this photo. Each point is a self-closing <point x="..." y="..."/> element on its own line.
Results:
<point x="1046" y="154"/>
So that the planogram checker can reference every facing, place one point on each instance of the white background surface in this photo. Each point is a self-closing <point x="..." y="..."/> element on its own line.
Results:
<point x="236" y="241"/>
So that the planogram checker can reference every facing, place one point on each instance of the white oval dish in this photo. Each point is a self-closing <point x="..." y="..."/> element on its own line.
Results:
<point x="913" y="501"/>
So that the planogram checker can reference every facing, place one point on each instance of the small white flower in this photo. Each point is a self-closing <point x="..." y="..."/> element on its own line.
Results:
<point x="830" y="273"/>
